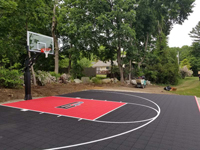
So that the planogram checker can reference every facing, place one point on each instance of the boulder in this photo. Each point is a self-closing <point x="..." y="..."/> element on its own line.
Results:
<point x="128" y="82"/>
<point x="43" y="77"/>
<point x="148" y="82"/>
<point x="85" y="79"/>
<point x="53" y="79"/>
<point x="65" y="76"/>
<point x="133" y="82"/>
<point x="77" y="81"/>
<point x="108" y="80"/>
<point x="114" y="80"/>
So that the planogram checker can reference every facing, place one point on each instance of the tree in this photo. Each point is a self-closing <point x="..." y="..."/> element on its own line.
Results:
<point x="195" y="57"/>
<point x="114" y="27"/>
<point x="195" y="33"/>
<point x="185" y="62"/>
<point x="75" y="28"/>
<point x="27" y="15"/>
<point x="55" y="36"/>
<point x="162" y="66"/>
<point x="7" y="7"/>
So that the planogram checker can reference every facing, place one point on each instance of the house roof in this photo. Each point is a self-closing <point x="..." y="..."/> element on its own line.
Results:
<point x="104" y="64"/>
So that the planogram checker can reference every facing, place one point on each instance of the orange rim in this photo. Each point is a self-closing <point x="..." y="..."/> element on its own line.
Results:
<point x="45" y="49"/>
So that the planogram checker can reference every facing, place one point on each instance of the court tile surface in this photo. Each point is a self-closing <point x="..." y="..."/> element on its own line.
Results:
<point x="176" y="125"/>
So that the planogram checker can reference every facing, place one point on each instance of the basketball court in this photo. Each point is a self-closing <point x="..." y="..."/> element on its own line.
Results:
<point x="101" y="120"/>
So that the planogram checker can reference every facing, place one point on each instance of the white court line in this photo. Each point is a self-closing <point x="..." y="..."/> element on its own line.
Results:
<point x="126" y="122"/>
<point x="48" y="113"/>
<point x="79" y="98"/>
<point x="98" y="121"/>
<point x="123" y="133"/>
<point x="109" y="112"/>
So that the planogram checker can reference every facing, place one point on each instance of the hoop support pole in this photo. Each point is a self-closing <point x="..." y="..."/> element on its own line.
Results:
<point x="27" y="75"/>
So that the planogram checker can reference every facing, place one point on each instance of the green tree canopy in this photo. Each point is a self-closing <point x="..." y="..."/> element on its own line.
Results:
<point x="185" y="62"/>
<point x="195" y="33"/>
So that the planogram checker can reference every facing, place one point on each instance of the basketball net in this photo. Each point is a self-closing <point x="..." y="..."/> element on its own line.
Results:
<point x="45" y="51"/>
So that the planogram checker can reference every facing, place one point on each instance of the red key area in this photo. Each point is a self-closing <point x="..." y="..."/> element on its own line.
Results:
<point x="72" y="107"/>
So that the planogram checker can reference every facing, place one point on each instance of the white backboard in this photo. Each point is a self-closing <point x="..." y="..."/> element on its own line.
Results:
<point x="36" y="42"/>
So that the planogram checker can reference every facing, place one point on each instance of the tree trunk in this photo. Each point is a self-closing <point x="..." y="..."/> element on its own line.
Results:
<point x="70" y="64"/>
<point x="32" y="71"/>
<point x="53" y="30"/>
<point x="111" y="69"/>
<point x="139" y="65"/>
<point x="120" y="63"/>
<point x="130" y="69"/>
<point x="145" y="49"/>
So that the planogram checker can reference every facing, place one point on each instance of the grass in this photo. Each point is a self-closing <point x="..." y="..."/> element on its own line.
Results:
<point x="188" y="86"/>
<point x="102" y="76"/>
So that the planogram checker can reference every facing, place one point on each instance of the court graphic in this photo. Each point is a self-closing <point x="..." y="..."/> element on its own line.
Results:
<point x="100" y="120"/>
<point x="70" y="105"/>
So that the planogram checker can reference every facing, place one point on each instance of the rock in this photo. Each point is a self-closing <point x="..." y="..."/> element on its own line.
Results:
<point x="148" y="82"/>
<point x="43" y="77"/>
<point x="128" y="82"/>
<point x="108" y="80"/>
<point x="65" y="76"/>
<point x="62" y="80"/>
<point x="10" y="95"/>
<point x="133" y="82"/>
<point x="114" y="80"/>
<point x="77" y="81"/>
<point x="53" y="79"/>
<point x="85" y="79"/>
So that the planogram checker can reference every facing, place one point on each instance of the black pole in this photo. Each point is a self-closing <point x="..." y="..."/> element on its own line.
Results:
<point x="27" y="78"/>
<point x="27" y="81"/>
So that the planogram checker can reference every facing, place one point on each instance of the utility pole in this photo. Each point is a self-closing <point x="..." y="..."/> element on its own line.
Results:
<point x="178" y="58"/>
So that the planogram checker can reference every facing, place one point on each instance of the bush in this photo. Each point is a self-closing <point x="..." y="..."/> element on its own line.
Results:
<point x="10" y="78"/>
<point x="57" y="75"/>
<point x="185" y="72"/>
<point x="76" y="71"/>
<point x="163" y="68"/>
<point x="96" y="80"/>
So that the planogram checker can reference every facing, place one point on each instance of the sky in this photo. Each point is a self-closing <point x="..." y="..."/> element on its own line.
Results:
<point x="179" y="34"/>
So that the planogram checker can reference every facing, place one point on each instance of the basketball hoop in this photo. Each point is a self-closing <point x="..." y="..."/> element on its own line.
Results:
<point x="46" y="51"/>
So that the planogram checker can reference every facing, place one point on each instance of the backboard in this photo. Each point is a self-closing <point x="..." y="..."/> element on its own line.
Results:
<point x="38" y="43"/>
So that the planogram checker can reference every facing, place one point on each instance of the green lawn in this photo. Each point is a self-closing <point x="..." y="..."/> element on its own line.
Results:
<point x="101" y="76"/>
<point x="189" y="86"/>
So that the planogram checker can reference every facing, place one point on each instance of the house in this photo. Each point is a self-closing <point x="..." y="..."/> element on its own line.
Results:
<point x="103" y="67"/>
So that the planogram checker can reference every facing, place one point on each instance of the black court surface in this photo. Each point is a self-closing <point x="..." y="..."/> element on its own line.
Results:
<point x="122" y="121"/>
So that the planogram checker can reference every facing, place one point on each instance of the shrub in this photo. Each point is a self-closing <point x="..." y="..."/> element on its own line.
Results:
<point x="185" y="72"/>
<point x="57" y="75"/>
<point x="10" y="78"/>
<point x="76" y="71"/>
<point x="96" y="80"/>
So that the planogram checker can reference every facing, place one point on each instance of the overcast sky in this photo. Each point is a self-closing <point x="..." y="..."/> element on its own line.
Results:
<point x="179" y="34"/>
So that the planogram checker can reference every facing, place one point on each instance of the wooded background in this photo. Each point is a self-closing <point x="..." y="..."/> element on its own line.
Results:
<point x="124" y="30"/>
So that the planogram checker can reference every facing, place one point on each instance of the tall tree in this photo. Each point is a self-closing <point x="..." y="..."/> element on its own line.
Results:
<point x="114" y="25"/>
<point x="77" y="29"/>
<point x="27" y="15"/>
<point x="195" y="33"/>
<point x="54" y="35"/>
